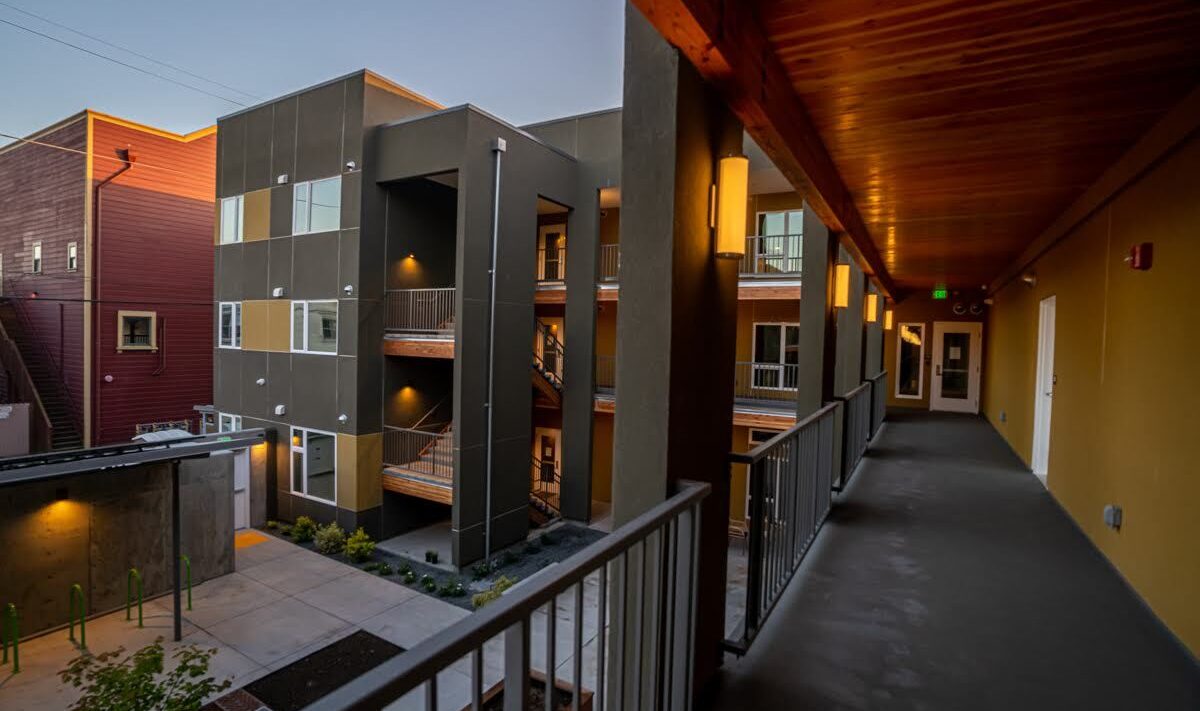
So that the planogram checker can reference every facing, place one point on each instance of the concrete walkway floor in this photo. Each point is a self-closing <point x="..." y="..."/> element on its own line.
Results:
<point x="947" y="578"/>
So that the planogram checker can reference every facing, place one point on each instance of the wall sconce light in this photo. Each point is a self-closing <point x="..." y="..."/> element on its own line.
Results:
<point x="351" y="165"/>
<point x="60" y="494"/>
<point x="872" y="308"/>
<point x="281" y="179"/>
<point x="733" y="178"/>
<point x="841" y="285"/>
<point x="349" y="289"/>
<point x="260" y="382"/>
<point x="277" y="292"/>
<point x="411" y="255"/>
<point x="1029" y="279"/>
<point x="888" y="318"/>
<point x="343" y="418"/>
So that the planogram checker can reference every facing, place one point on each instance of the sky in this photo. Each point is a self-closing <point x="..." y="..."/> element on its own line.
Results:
<point x="523" y="60"/>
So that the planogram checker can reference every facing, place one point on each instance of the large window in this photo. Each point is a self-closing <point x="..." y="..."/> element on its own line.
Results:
<point x="314" y="464"/>
<point x="910" y="357"/>
<point x="232" y="211"/>
<point x="136" y="331"/>
<point x="317" y="206"/>
<point x="785" y="222"/>
<point x="230" y="325"/>
<point x="776" y="355"/>
<point x="314" y="326"/>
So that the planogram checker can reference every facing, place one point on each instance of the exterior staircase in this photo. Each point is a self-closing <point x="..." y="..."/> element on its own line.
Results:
<point x="544" y="487"/>
<point x="46" y="378"/>
<point x="547" y="364"/>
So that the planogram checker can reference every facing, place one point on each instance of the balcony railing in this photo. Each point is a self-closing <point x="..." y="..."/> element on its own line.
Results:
<point x="428" y="452"/>
<point x="765" y="381"/>
<point x="856" y="430"/>
<point x="790" y="479"/>
<point x="879" y="386"/>
<point x="548" y="354"/>
<point x="610" y="261"/>
<point x="421" y="312"/>
<point x="772" y="255"/>
<point x="552" y="264"/>
<point x="643" y="578"/>
<point x="606" y="373"/>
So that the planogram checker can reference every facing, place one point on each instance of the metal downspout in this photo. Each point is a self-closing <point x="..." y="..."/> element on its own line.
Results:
<point x="499" y="146"/>
<point x="124" y="155"/>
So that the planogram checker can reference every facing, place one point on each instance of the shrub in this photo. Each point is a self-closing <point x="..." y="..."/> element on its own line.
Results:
<point x="372" y="567"/>
<point x="494" y="592"/>
<point x="428" y="583"/>
<point x="359" y="546"/>
<point x="480" y="570"/>
<point x="452" y="588"/>
<point x="531" y="548"/>
<point x="431" y="557"/>
<point x="404" y="569"/>
<point x="140" y="680"/>
<point x="384" y="569"/>
<point x="304" y="529"/>
<point x="507" y="558"/>
<point x="285" y="530"/>
<point x="272" y="525"/>
<point x="330" y="539"/>
<point x="409" y="576"/>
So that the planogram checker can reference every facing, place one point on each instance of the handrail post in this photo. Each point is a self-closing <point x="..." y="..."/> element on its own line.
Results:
<point x="755" y="546"/>
<point x="129" y="580"/>
<point x="187" y="568"/>
<point x="10" y="632"/>
<point x="76" y="593"/>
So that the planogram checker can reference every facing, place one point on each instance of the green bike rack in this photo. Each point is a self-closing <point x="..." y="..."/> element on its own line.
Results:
<point x="10" y="631"/>
<point x="133" y="576"/>
<point x="77" y="595"/>
<point x="187" y="567"/>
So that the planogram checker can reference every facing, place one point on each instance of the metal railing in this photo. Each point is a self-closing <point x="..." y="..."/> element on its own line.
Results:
<point x="548" y="354"/>
<point x="765" y="381"/>
<point x="25" y="323"/>
<point x="790" y="482"/>
<point x="644" y="578"/>
<point x="606" y="373"/>
<point x="856" y="430"/>
<point x="426" y="452"/>
<point x="879" y="386"/>
<point x="545" y="480"/>
<point x="21" y="388"/>
<point x="610" y="261"/>
<point x="552" y="264"/>
<point x="421" y="312"/>
<point x="772" y="255"/>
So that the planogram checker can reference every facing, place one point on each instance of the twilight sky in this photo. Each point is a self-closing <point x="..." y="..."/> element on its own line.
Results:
<point x="523" y="60"/>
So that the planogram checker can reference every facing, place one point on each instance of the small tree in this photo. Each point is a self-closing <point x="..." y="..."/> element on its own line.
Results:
<point x="330" y="538"/>
<point x="360" y="547"/>
<point x="138" y="682"/>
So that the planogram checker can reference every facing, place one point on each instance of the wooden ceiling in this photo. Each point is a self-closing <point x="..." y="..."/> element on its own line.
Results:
<point x="959" y="128"/>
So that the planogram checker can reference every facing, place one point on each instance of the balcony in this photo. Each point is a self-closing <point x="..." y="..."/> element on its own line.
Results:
<point x="610" y="262"/>
<point x="419" y="322"/>
<point x="772" y="256"/>
<point x="551" y="266"/>
<point x="420" y="462"/>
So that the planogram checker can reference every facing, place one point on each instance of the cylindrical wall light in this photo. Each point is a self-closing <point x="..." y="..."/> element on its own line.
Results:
<point x="888" y="317"/>
<point x="841" y="285"/>
<point x="733" y="178"/>
<point x="871" y="313"/>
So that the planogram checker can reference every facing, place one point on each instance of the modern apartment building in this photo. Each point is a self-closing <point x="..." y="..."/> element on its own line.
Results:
<point x="104" y="264"/>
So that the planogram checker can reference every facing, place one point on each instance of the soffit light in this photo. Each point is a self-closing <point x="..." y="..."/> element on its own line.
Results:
<point x="733" y="178"/>
<point x="872" y="308"/>
<point x="888" y="317"/>
<point x="841" y="285"/>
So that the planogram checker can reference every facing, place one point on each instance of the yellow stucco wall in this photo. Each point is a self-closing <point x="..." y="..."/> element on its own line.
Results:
<point x="1124" y="411"/>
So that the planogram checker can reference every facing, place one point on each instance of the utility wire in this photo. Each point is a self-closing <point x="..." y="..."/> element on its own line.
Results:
<point x="148" y="58"/>
<point x="127" y="65"/>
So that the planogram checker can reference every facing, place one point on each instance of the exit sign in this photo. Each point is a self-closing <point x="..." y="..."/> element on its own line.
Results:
<point x="941" y="293"/>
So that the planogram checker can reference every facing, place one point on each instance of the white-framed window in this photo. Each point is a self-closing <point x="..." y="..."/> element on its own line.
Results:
<point x="314" y="326"/>
<point x="229" y="423"/>
<point x="136" y="330"/>
<point x="232" y="212"/>
<point x="72" y="256"/>
<point x="36" y="266"/>
<point x="910" y="361"/>
<point x="230" y="325"/>
<point x="314" y="464"/>
<point x="317" y="206"/>
<point x="776" y="356"/>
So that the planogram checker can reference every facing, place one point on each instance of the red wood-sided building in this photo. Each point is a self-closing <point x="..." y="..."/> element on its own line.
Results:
<point x="106" y="266"/>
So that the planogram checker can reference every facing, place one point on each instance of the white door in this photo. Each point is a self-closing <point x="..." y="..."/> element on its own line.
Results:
<point x="957" y="351"/>
<point x="1044" y="393"/>
<point x="241" y="489"/>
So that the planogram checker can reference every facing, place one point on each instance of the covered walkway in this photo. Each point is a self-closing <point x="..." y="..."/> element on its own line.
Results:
<point x="948" y="578"/>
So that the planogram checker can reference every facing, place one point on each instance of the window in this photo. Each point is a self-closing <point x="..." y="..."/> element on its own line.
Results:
<point x="229" y="423"/>
<point x="777" y="248"/>
<point x="135" y="330"/>
<point x="314" y="326"/>
<point x="776" y="356"/>
<point x="37" y="258"/>
<point x="787" y="222"/>
<point x="317" y="206"/>
<point x="910" y="358"/>
<point x="314" y="464"/>
<point x="147" y="427"/>
<point x="72" y="256"/>
<point x="230" y="335"/>
<point x="232" y="211"/>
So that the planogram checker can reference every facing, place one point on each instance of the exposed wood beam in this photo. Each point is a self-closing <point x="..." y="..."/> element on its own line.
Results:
<point x="1177" y="126"/>
<point x="728" y="45"/>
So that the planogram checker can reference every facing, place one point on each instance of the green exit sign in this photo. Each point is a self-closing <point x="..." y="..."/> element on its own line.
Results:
<point x="941" y="293"/>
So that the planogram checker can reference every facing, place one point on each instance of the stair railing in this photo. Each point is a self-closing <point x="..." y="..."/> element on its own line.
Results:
<point x="76" y="414"/>
<point x="548" y="354"/>
<point x="544" y="487"/>
<point x="10" y="636"/>
<point x="130" y="579"/>
<point x="77" y="597"/>
<point x="24" y="390"/>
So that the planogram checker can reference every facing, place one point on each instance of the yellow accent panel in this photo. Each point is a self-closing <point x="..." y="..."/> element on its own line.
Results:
<point x="360" y="471"/>
<point x="1123" y="411"/>
<point x="217" y="223"/>
<point x="255" y="325"/>
<point x="279" y="336"/>
<point x="256" y="215"/>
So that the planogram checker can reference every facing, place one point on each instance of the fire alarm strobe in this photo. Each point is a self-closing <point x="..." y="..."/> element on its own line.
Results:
<point x="1141" y="255"/>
